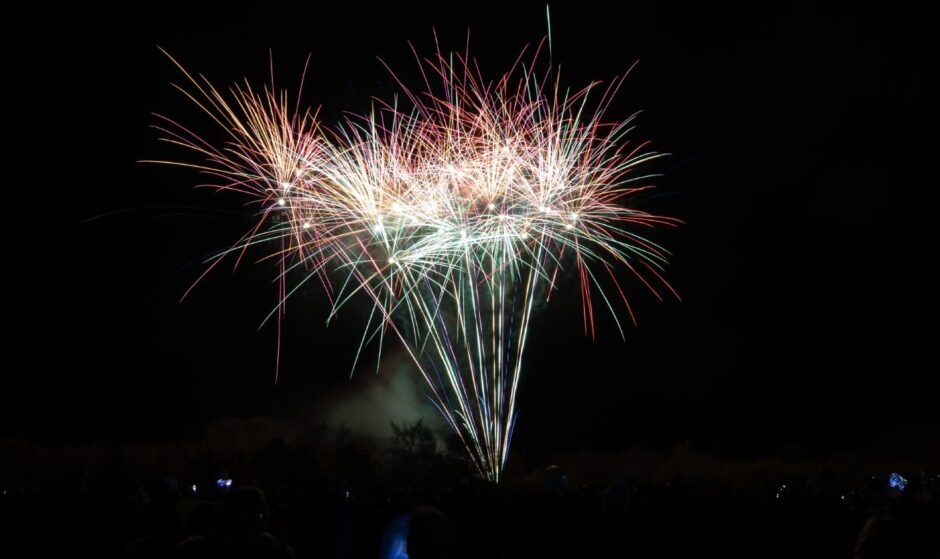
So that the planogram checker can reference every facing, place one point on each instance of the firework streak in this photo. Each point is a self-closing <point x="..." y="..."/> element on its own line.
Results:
<point x="454" y="217"/>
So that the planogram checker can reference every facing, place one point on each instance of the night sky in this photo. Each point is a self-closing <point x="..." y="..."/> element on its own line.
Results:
<point x="797" y="164"/>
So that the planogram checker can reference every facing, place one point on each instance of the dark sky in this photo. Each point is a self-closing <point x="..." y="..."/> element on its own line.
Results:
<point x="797" y="162"/>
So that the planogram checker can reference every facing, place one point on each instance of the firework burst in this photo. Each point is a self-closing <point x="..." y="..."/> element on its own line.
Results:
<point x="454" y="217"/>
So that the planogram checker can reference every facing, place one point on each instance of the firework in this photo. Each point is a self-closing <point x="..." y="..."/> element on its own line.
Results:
<point x="456" y="218"/>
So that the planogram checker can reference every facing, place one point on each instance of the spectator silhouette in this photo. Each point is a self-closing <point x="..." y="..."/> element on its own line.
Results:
<point x="429" y="535"/>
<point x="245" y="515"/>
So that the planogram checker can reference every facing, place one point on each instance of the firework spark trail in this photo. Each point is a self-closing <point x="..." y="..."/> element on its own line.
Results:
<point x="454" y="218"/>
